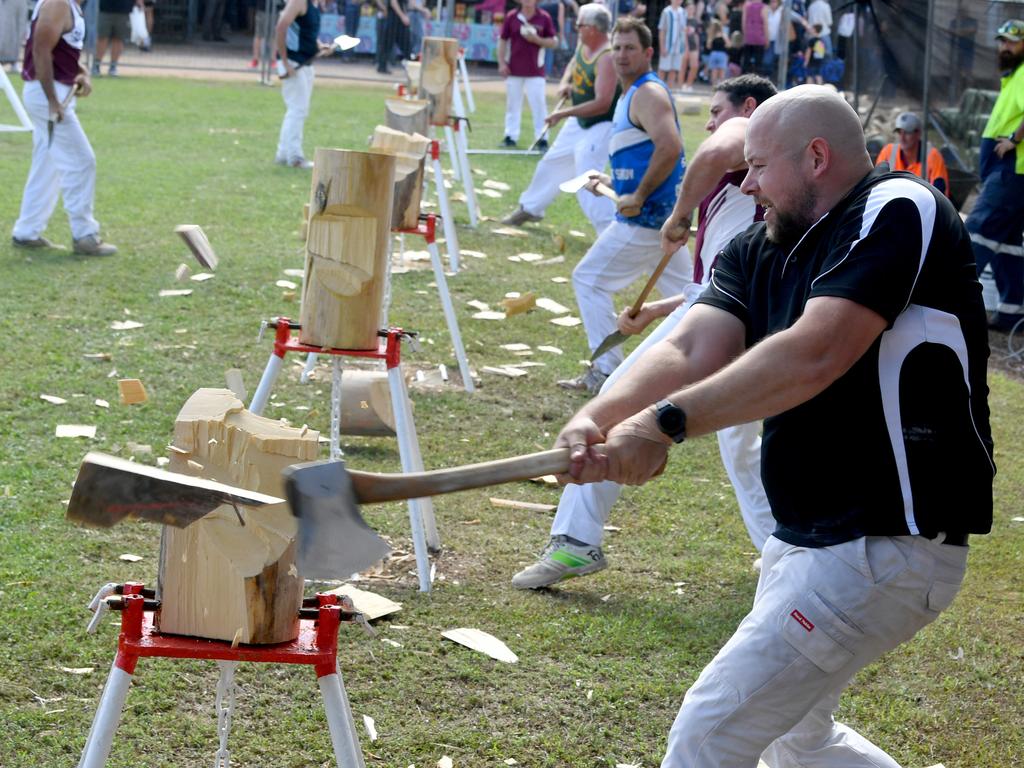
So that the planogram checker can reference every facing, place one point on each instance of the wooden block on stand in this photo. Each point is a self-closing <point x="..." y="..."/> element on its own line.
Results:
<point x="407" y="115"/>
<point x="347" y="248"/>
<point x="439" y="57"/>
<point x="410" y="151"/>
<point x="218" y="579"/>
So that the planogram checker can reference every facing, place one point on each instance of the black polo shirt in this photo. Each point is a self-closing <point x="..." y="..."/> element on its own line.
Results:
<point x="900" y="444"/>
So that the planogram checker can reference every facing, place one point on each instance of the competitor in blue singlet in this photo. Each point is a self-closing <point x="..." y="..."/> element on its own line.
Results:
<point x="647" y="168"/>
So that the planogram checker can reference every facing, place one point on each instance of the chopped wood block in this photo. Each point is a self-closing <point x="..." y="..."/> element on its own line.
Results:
<point x="478" y="640"/>
<point x="196" y="241"/>
<point x="219" y="579"/>
<point x="76" y="430"/>
<point x="370" y="604"/>
<point x="552" y="306"/>
<point x="407" y="115"/>
<point x="438" y="59"/>
<point x="532" y="506"/>
<point x="519" y="304"/>
<point x="132" y="391"/>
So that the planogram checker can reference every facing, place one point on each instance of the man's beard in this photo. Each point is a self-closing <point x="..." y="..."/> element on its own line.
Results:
<point x="1009" y="61"/>
<point x="791" y="226"/>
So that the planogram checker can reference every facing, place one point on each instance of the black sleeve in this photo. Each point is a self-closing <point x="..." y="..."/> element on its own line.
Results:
<point x="727" y="287"/>
<point x="878" y="251"/>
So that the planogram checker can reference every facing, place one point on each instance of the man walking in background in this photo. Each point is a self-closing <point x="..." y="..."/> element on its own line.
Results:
<point x="111" y="27"/>
<point x="524" y="36"/>
<point x="63" y="162"/>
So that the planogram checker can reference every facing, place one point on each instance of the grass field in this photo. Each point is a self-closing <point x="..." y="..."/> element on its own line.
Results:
<point x="604" y="662"/>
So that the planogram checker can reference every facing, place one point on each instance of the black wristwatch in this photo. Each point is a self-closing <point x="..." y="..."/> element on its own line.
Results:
<point x="671" y="420"/>
<point x="1013" y="139"/>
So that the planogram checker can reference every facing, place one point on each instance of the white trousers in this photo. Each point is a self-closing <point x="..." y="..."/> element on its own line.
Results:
<point x="296" y="90"/>
<point x="574" y="151"/>
<point x="819" y="616"/>
<point x="534" y="89"/>
<point x="620" y="255"/>
<point x="67" y="168"/>
<point x="583" y="510"/>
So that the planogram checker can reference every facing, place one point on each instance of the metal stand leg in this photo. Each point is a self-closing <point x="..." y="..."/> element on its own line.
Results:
<point x="465" y="81"/>
<point x="270" y="374"/>
<point x="406" y="440"/>
<point x="453" y="152"/>
<point x="451" y="238"/>
<point x="449" y="314"/>
<point x="225" y="710"/>
<point x="308" y="368"/>
<point x="336" y="408"/>
<point x="108" y="716"/>
<point x="339" y="719"/>
<point x="462" y="153"/>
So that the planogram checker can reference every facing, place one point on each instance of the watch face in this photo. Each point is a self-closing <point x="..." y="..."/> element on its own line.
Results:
<point x="671" y="420"/>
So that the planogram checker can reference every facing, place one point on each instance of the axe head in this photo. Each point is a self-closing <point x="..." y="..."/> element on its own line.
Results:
<point x="574" y="185"/>
<point x="334" y="540"/>
<point x="345" y="42"/>
<point x="109" y="489"/>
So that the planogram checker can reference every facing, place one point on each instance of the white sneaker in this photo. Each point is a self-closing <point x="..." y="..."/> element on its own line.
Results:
<point x="561" y="559"/>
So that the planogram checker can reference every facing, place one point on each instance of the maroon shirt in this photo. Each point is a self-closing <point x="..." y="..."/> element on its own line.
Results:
<point x="65" y="53"/>
<point x="525" y="58"/>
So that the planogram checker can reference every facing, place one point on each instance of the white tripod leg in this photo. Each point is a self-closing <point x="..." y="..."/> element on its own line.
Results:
<point x="308" y="368"/>
<point x="451" y="238"/>
<point x="465" y="81"/>
<point x="339" y="720"/>
<point x="462" y="147"/>
<point x="270" y="374"/>
<point x="407" y="446"/>
<point x="449" y="315"/>
<point x="108" y="715"/>
<point x="453" y="152"/>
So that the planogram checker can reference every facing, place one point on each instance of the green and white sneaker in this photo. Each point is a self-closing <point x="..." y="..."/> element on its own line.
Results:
<point x="562" y="558"/>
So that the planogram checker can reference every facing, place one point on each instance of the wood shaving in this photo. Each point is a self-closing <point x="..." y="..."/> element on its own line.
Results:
<point x="478" y="640"/>
<point x="473" y="254"/>
<point x="552" y="306"/>
<point x="166" y="292"/>
<point x="286" y="284"/>
<point x="560" y="280"/>
<point x="550" y="350"/>
<point x="566" y="321"/>
<point x="129" y="558"/>
<point x="126" y="325"/>
<point x="53" y="399"/>
<point x="507" y="371"/>
<point x="499" y="185"/>
<point x="75" y="430"/>
<point x="516" y="347"/>
<point x="510" y="232"/>
<point x="528" y="257"/>
<point x="201" y="277"/>
<point x="478" y="305"/>
<point x="489" y="315"/>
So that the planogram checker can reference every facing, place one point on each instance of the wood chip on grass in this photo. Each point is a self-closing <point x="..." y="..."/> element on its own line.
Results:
<point x="76" y="430"/>
<point x="530" y="506"/>
<point x="482" y="642"/>
<point x="566" y="321"/>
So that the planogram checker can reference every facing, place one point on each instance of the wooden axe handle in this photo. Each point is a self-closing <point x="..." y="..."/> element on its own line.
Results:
<point x="635" y="309"/>
<point x="604" y="189"/>
<point x="547" y="128"/>
<point x="373" y="487"/>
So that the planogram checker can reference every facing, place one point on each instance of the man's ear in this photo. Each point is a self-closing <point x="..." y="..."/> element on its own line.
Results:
<point x="749" y="105"/>
<point x="821" y="155"/>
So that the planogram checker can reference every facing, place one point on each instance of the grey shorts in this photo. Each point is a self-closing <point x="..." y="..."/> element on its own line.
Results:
<point x="112" y="25"/>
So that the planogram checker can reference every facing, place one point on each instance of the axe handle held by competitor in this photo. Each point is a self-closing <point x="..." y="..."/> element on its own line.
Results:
<point x="547" y="128"/>
<point x="371" y="487"/>
<point x="635" y="309"/>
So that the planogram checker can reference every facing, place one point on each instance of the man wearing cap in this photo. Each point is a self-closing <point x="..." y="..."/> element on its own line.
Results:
<point x="905" y="155"/>
<point x="997" y="221"/>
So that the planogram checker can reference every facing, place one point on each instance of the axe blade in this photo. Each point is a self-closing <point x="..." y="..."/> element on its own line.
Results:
<point x="611" y="341"/>
<point x="574" y="185"/>
<point x="109" y="489"/>
<point x="334" y="541"/>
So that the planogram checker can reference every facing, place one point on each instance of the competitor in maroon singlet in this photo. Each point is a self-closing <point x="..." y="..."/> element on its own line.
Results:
<point x="62" y="160"/>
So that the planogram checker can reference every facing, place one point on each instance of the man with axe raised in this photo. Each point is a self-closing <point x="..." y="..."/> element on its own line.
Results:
<point x="647" y="167"/>
<point x="63" y="162"/>
<point x="713" y="180"/>
<point x="582" y="144"/>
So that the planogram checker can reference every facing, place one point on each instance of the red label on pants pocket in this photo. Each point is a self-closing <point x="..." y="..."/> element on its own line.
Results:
<point x="802" y="620"/>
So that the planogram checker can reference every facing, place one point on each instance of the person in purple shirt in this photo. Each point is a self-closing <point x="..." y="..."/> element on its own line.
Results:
<point x="524" y="36"/>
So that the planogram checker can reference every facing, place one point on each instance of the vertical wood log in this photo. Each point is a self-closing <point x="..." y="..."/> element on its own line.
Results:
<point x="217" y="578"/>
<point x="439" y="58"/>
<point x="407" y="115"/>
<point x="409" y="151"/>
<point x="347" y="248"/>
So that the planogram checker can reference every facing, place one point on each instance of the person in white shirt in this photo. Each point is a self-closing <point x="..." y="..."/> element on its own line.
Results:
<point x="820" y="12"/>
<point x="672" y="43"/>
